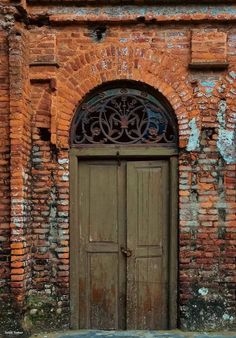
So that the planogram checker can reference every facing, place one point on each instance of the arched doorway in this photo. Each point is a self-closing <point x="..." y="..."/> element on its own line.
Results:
<point x="123" y="210"/>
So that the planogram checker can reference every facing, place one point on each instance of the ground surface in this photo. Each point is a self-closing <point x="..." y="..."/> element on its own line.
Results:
<point x="134" y="334"/>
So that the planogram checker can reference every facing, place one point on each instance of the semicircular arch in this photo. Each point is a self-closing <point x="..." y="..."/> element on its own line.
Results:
<point x="83" y="73"/>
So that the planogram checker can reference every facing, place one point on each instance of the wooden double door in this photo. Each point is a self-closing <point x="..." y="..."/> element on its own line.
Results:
<point x="122" y="256"/>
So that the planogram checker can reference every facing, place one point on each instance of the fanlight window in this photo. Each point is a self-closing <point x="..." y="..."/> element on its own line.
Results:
<point x="123" y="116"/>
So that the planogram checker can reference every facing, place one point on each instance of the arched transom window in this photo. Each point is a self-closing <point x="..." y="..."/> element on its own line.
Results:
<point x="123" y="115"/>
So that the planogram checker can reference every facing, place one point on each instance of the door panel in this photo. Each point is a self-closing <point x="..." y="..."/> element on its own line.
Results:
<point x="149" y="306"/>
<point x="147" y="270"/>
<point x="101" y="265"/>
<point x="103" y="277"/>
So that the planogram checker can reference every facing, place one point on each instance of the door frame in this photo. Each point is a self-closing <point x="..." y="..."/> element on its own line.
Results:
<point x="144" y="152"/>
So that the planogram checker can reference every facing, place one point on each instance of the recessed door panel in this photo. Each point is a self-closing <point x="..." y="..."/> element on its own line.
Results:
<point x="149" y="204"/>
<point x="103" y="203"/>
<point x="103" y="290"/>
<point x="149" y="289"/>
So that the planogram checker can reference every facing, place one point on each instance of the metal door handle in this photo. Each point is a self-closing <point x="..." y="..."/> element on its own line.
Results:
<point x="126" y="252"/>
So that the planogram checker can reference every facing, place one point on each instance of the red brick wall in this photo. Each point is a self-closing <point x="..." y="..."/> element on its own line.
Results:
<point x="52" y="67"/>
<point x="20" y="135"/>
<point x="4" y="168"/>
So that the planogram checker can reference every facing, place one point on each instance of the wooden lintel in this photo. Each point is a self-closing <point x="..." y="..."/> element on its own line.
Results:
<point x="131" y="151"/>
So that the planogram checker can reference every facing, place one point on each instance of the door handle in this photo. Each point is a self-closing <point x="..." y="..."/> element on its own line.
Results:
<point x="126" y="252"/>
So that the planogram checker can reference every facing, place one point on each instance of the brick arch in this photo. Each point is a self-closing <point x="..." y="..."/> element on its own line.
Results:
<point x="84" y="72"/>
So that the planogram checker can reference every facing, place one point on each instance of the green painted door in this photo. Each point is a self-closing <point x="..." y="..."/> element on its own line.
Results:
<point x="123" y="244"/>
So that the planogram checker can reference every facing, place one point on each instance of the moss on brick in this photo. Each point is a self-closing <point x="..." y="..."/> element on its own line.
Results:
<point x="42" y="313"/>
<point x="207" y="310"/>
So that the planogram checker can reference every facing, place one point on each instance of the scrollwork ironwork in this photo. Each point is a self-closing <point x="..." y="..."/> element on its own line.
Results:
<point x="123" y="116"/>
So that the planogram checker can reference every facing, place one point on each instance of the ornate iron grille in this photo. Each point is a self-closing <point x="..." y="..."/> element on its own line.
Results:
<point x="123" y="116"/>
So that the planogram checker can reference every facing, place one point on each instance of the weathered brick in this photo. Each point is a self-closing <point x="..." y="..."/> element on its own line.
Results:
<point x="45" y="73"/>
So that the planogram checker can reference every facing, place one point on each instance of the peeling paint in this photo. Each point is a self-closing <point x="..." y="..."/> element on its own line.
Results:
<point x="65" y="178"/>
<point x="203" y="291"/>
<point x="193" y="142"/>
<point x="63" y="161"/>
<point x="208" y="86"/>
<point x="226" y="316"/>
<point x="208" y="83"/>
<point x="124" y="39"/>
<point x="233" y="74"/>
<point x="226" y="138"/>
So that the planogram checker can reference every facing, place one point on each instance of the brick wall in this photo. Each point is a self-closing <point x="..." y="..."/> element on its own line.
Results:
<point x="4" y="169"/>
<point x="55" y="58"/>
